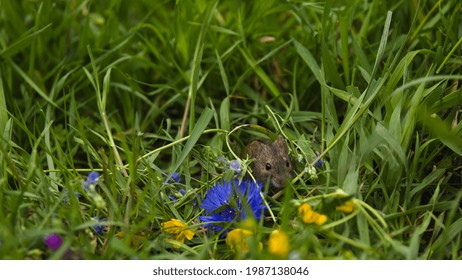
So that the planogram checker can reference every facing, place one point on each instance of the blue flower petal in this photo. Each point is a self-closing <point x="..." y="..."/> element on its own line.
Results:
<point x="319" y="163"/>
<point x="217" y="196"/>
<point x="176" y="177"/>
<point x="231" y="202"/>
<point x="99" y="228"/>
<point x="92" y="179"/>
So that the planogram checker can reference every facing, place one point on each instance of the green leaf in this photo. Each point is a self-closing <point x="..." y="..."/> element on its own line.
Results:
<point x="32" y="84"/>
<point x="383" y="43"/>
<point x="21" y="43"/>
<point x="441" y="130"/>
<point x="273" y="89"/>
<point x="196" y="133"/>
<point x="196" y="64"/>
<point x="330" y="67"/>
<point x="3" y="108"/>
<point x="225" y="121"/>
<point x="447" y="236"/>
<point x="224" y="77"/>
<point x="310" y="61"/>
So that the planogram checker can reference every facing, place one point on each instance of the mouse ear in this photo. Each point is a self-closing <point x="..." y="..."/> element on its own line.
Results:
<point x="281" y="143"/>
<point x="253" y="148"/>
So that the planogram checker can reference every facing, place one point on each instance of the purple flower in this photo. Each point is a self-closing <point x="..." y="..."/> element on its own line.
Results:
<point x="53" y="241"/>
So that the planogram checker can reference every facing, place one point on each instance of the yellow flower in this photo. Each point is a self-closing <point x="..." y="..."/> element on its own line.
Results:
<point x="309" y="216"/>
<point x="238" y="240"/>
<point x="179" y="230"/>
<point x="278" y="243"/>
<point x="347" y="207"/>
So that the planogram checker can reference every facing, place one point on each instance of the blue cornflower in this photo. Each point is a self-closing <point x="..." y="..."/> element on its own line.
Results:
<point x="92" y="179"/>
<point x="231" y="201"/>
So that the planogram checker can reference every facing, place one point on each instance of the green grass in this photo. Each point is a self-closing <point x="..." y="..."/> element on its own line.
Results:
<point x="137" y="90"/>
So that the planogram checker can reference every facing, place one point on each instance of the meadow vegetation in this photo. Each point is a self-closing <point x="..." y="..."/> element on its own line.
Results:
<point x="117" y="118"/>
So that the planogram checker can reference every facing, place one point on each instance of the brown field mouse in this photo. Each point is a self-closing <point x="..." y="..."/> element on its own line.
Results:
<point x="271" y="160"/>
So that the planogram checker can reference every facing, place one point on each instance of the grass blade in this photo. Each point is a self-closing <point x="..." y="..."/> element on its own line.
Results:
<point x="3" y="107"/>
<point x="199" y="128"/>
<point x="22" y="43"/>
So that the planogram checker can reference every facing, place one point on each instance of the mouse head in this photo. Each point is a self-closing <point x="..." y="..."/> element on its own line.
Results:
<point x="271" y="161"/>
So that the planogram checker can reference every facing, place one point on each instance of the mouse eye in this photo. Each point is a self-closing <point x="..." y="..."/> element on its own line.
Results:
<point x="287" y="164"/>
<point x="268" y="166"/>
